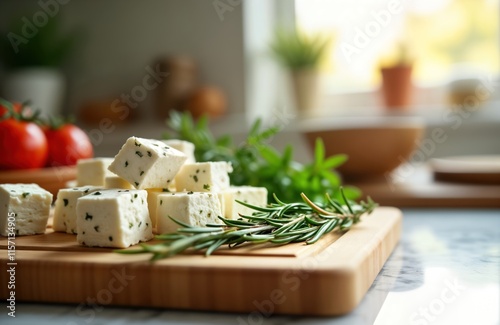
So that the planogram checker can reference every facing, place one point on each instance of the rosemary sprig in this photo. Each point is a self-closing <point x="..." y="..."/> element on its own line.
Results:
<point x="278" y="223"/>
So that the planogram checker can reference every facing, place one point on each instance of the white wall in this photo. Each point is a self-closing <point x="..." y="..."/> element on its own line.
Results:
<point x="125" y="36"/>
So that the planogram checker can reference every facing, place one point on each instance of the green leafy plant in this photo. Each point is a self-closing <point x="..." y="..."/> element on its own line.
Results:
<point x="298" y="51"/>
<point x="257" y="163"/>
<point x="278" y="223"/>
<point x="47" y="48"/>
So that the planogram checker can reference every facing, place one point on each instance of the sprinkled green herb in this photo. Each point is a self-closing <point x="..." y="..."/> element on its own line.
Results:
<point x="206" y="187"/>
<point x="141" y="173"/>
<point x="110" y="238"/>
<point x="165" y="190"/>
<point x="161" y="202"/>
<point x="136" y="184"/>
<point x="190" y="192"/>
<point x="136" y="143"/>
<point x="149" y="154"/>
<point x="86" y="191"/>
<point x="88" y="216"/>
<point x="195" y="178"/>
<point x="65" y="202"/>
<point x="25" y="194"/>
<point x="135" y="196"/>
<point x="126" y="163"/>
<point x="96" y="228"/>
<point x="138" y="153"/>
<point x="97" y="193"/>
<point x="130" y="225"/>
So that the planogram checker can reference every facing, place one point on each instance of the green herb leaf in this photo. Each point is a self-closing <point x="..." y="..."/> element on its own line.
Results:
<point x="257" y="163"/>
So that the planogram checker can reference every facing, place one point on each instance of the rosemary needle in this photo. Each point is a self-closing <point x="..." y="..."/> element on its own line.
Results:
<point x="278" y="223"/>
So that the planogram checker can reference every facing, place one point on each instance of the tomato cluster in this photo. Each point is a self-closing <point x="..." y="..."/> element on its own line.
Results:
<point x="26" y="142"/>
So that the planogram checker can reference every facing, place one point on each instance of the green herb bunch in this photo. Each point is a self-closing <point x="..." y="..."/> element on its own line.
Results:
<point x="257" y="163"/>
<point x="49" y="47"/>
<point x="299" y="51"/>
<point x="278" y="223"/>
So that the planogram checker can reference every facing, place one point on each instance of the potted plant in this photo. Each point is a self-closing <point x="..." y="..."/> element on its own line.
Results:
<point x="397" y="87"/>
<point x="33" y="63"/>
<point x="301" y="55"/>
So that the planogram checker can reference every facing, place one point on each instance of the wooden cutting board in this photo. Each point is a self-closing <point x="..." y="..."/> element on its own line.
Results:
<point x="327" y="278"/>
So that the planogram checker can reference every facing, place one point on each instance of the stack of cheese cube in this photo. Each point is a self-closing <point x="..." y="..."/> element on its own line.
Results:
<point x="121" y="201"/>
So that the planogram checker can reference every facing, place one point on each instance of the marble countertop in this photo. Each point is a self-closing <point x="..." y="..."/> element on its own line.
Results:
<point x="445" y="270"/>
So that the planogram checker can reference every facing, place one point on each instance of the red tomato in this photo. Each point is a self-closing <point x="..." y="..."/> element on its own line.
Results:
<point x="22" y="145"/>
<point x="67" y="144"/>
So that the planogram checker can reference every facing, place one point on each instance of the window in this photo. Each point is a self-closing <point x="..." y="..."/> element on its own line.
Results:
<point x="447" y="38"/>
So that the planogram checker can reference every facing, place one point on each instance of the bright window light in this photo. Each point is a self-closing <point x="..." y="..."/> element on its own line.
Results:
<point x="444" y="37"/>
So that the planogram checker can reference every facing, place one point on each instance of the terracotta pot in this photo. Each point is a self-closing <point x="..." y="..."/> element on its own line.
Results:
<point x="306" y="89"/>
<point x="397" y="87"/>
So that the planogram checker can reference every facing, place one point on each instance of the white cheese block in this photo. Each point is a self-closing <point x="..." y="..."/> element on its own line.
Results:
<point x="185" y="147"/>
<point x="204" y="177"/>
<point x="248" y="194"/>
<point x="65" y="207"/>
<point x="117" y="182"/>
<point x="24" y="209"/>
<point x="153" y="194"/>
<point x="195" y="209"/>
<point x="147" y="163"/>
<point x="113" y="218"/>
<point x="93" y="171"/>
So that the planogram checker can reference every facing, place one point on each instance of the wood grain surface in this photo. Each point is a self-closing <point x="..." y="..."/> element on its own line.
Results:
<point x="327" y="278"/>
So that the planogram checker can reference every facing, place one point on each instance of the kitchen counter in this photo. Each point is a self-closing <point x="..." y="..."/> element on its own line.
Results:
<point x="445" y="270"/>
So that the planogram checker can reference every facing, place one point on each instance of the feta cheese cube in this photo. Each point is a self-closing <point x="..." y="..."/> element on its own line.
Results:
<point x="204" y="177"/>
<point x="153" y="194"/>
<point x="147" y="163"/>
<point x="248" y="194"/>
<point x="117" y="182"/>
<point x="196" y="209"/>
<point x="65" y="207"/>
<point x="24" y="209"/>
<point x="185" y="147"/>
<point x="113" y="218"/>
<point x="92" y="171"/>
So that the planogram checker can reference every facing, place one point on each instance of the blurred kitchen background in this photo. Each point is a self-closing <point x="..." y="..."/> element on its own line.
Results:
<point x="418" y="77"/>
